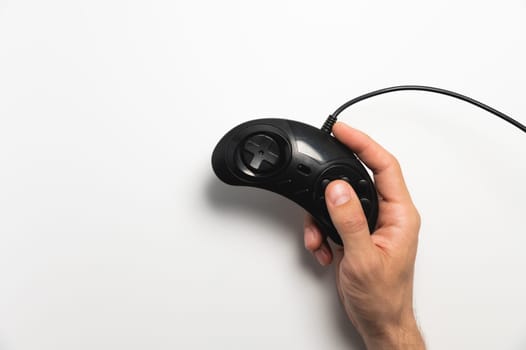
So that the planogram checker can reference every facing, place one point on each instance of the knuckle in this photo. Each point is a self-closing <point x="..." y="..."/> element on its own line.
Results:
<point x="418" y="219"/>
<point x="415" y="218"/>
<point x="393" y="161"/>
<point x="388" y="160"/>
<point x="410" y="217"/>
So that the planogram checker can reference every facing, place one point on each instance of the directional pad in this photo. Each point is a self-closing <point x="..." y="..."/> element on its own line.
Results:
<point x="261" y="153"/>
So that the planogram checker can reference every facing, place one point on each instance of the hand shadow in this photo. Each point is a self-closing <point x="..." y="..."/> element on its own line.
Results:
<point x="247" y="201"/>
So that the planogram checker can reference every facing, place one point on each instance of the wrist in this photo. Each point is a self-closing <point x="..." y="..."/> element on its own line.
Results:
<point x="403" y="335"/>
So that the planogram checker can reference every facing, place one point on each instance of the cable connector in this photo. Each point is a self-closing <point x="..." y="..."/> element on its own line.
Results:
<point x="329" y="123"/>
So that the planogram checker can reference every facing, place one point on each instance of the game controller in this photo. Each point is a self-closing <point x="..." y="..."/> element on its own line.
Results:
<point x="297" y="161"/>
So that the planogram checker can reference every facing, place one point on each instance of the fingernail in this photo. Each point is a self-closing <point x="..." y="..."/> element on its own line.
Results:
<point x="310" y="236"/>
<point x="339" y="193"/>
<point x="320" y="256"/>
<point x="312" y="233"/>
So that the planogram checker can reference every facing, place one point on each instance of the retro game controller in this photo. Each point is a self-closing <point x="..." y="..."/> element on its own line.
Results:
<point x="295" y="160"/>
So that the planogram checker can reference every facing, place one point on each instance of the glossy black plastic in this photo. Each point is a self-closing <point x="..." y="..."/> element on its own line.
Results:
<point x="296" y="161"/>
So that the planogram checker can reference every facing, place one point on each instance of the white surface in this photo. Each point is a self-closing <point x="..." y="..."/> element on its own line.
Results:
<point x="114" y="233"/>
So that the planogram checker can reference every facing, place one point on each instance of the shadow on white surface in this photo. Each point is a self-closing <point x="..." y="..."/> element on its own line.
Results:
<point x="248" y="201"/>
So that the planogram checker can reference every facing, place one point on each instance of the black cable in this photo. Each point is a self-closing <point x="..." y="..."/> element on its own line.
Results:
<point x="331" y="120"/>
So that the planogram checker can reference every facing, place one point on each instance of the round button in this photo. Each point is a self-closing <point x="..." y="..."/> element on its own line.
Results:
<point x="366" y="203"/>
<point x="346" y="179"/>
<point x="261" y="153"/>
<point x="363" y="183"/>
<point x="324" y="184"/>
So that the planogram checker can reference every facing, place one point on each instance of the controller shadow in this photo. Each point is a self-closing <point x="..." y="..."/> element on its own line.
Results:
<point x="254" y="202"/>
<point x="247" y="201"/>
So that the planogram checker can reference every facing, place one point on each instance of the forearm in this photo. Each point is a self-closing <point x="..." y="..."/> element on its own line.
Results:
<point x="405" y="336"/>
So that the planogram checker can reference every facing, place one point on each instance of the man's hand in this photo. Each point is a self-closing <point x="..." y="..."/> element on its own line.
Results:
<point x="374" y="273"/>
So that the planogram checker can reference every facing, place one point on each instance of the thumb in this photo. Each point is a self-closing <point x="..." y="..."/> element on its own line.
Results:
<point x="347" y="216"/>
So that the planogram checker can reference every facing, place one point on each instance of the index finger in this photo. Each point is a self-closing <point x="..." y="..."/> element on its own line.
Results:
<point x="388" y="176"/>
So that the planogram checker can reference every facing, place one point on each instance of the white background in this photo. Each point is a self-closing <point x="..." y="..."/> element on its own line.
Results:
<point x="115" y="234"/>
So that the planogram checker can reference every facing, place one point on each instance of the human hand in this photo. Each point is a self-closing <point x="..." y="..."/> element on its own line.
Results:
<point x="374" y="273"/>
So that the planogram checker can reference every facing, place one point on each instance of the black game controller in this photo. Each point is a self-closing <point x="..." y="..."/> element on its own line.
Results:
<point x="294" y="160"/>
<point x="298" y="161"/>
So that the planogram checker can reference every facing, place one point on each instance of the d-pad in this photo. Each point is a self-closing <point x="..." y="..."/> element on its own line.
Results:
<point x="261" y="153"/>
